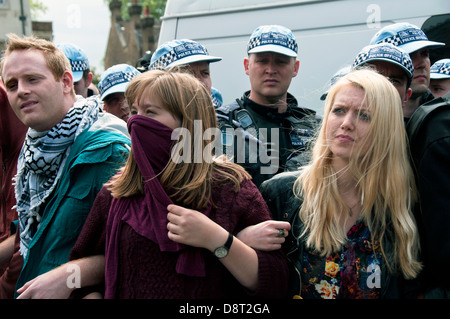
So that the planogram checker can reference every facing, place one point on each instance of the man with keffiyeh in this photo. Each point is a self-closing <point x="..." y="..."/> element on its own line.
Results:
<point x="71" y="148"/>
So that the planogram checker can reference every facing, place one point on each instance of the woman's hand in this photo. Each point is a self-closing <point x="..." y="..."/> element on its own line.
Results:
<point x="268" y="235"/>
<point x="193" y="228"/>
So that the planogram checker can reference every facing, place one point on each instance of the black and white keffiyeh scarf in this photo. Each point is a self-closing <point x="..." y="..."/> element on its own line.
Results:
<point x="41" y="163"/>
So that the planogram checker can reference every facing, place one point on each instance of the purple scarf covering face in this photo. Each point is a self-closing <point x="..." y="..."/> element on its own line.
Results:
<point x="147" y="215"/>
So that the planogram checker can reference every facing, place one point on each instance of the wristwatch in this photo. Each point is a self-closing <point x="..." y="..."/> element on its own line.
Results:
<point x="222" y="251"/>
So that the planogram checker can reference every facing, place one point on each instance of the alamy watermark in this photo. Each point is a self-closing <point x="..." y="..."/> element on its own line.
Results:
<point x="374" y="279"/>
<point x="73" y="16"/>
<point x="373" y="21"/>
<point x="74" y="278"/>
<point x="234" y="143"/>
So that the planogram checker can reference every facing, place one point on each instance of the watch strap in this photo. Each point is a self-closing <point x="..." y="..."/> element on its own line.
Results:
<point x="222" y="251"/>
<point x="229" y="241"/>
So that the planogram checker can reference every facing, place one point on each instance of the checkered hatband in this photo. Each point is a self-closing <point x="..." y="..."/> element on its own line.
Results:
<point x="79" y="65"/>
<point x="385" y="53"/>
<point x="406" y="36"/>
<point x="115" y="79"/>
<point x="179" y="52"/>
<point x="253" y="43"/>
<point x="165" y="60"/>
<point x="441" y="68"/>
<point x="395" y="40"/>
<point x="262" y="40"/>
<point x="445" y="70"/>
<point x="407" y="63"/>
<point x="360" y="58"/>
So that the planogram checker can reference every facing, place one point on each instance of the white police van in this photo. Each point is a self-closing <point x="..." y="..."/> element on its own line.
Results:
<point x="329" y="33"/>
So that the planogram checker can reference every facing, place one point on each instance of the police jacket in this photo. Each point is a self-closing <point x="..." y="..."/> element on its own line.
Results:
<point x="429" y="137"/>
<point x="264" y="141"/>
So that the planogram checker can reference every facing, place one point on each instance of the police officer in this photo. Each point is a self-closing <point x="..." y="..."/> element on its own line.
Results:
<point x="440" y="77"/>
<point x="82" y="75"/>
<point x="394" y="63"/>
<point x="415" y="42"/>
<point x="193" y="57"/>
<point x="265" y="130"/>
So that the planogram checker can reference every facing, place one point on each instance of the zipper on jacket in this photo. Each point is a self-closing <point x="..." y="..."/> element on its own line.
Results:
<point x="296" y="269"/>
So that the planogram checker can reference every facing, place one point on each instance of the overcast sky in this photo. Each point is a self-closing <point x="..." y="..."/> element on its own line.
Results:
<point x="85" y="23"/>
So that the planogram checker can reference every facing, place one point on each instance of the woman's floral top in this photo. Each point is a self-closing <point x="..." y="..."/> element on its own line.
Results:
<point x="352" y="273"/>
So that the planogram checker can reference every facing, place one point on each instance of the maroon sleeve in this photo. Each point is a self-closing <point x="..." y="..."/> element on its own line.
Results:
<point x="12" y="135"/>
<point x="91" y="240"/>
<point x="12" y="272"/>
<point x="273" y="270"/>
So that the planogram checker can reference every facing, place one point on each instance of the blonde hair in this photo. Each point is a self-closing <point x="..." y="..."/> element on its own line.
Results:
<point x="186" y="182"/>
<point x="383" y="175"/>
<point x="56" y="61"/>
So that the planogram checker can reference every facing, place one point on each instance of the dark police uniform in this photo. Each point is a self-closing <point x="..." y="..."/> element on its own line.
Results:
<point x="249" y="134"/>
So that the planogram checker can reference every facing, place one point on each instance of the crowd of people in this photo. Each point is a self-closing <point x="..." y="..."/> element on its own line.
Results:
<point x="283" y="204"/>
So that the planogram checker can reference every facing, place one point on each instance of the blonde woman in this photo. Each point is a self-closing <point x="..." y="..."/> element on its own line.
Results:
<point x="353" y="234"/>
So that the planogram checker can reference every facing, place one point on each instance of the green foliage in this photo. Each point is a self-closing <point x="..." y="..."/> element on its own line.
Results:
<point x="156" y="7"/>
<point x="95" y="75"/>
<point x="37" y="7"/>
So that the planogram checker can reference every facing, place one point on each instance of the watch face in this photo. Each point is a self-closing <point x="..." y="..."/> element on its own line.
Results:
<point x="221" y="252"/>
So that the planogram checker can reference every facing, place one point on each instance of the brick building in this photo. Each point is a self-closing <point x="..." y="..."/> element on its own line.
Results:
<point x="130" y="39"/>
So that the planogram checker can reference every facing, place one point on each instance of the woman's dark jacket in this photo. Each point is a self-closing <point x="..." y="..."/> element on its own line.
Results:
<point x="285" y="206"/>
